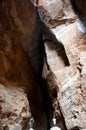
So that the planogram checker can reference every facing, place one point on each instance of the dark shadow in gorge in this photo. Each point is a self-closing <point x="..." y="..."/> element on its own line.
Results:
<point x="41" y="34"/>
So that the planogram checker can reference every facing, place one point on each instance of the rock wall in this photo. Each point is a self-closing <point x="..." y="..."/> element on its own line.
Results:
<point x="64" y="67"/>
<point x="73" y="85"/>
<point x="70" y="79"/>
<point x="20" y="96"/>
<point x="56" y="13"/>
<point x="14" y="108"/>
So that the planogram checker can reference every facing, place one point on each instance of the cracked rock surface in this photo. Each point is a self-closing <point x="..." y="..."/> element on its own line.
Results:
<point x="71" y="80"/>
<point x="20" y="96"/>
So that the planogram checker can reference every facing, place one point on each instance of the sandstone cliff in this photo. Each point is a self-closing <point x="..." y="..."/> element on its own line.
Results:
<point x="25" y="89"/>
<point x="18" y="78"/>
<point x="70" y="79"/>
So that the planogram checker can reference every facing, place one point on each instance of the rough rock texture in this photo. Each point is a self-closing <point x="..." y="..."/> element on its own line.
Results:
<point x="14" y="108"/>
<point x="63" y="73"/>
<point x="53" y="48"/>
<point x="17" y="75"/>
<point x="72" y="94"/>
<point x="71" y="80"/>
<point x="56" y="12"/>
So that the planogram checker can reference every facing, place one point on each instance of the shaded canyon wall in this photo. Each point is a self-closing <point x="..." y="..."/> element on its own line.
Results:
<point x="21" y="59"/>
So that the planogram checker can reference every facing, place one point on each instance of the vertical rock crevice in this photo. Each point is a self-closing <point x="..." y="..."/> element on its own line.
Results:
<point x="39" y="76"/>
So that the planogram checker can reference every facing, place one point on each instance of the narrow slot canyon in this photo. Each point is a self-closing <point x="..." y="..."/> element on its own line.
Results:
<point x="42" y="64"/>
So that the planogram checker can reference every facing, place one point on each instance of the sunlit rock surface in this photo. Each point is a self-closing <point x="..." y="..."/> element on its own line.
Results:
<point x="71" y="80"/>
<point x="56" y="12"/>
<point x="20" y="96"/>
<point x="72" y="95"/>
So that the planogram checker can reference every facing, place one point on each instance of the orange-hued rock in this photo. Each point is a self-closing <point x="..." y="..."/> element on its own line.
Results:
<point x="19" y="90"/>
<point x="21" y="57"/>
